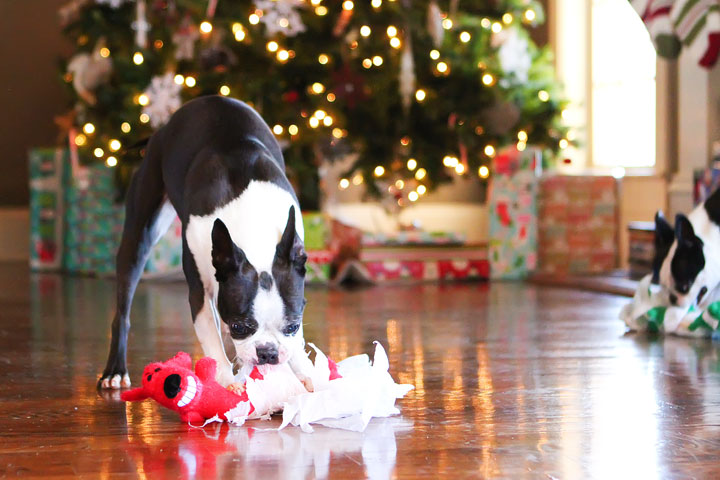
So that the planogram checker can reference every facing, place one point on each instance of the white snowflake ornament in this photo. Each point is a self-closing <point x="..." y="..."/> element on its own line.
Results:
<point x="164" y="98"/>
<point x="514" y="53"/>
<point x="281" y="16"/>
<point x="111" y="3"/>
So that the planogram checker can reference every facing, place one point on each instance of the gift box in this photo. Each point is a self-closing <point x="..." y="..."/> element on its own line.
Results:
<point x="393" y="263"/>
<point x="512" y="208"/>
<point x="578" y="224"/>
<point x="45" y="168"/>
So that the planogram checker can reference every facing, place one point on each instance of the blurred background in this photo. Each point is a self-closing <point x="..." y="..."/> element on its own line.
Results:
<point x="426" y="140"/>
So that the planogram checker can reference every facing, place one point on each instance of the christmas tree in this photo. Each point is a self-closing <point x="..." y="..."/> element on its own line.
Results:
<point x="420" y="91"/>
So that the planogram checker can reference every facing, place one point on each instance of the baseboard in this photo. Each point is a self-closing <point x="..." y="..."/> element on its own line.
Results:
<point x="14" y="234"/>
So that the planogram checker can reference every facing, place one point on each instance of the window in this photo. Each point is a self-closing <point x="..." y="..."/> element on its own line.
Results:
<point x="608" y="64"/>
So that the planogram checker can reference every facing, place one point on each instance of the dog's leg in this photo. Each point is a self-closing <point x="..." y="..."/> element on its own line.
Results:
<point x="144" y="218"/>
<point x="204" y="321"/>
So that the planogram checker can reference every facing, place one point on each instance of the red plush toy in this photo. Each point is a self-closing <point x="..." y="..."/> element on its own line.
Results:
<point x="195" y="396"/>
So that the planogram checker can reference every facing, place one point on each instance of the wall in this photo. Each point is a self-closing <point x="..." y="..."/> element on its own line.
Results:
<point x="30" y="90"/>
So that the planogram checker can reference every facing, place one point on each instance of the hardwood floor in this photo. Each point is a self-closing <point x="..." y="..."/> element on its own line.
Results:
<point x="512" y="381"/>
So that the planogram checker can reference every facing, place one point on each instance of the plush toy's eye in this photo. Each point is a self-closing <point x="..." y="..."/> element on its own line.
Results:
<point x="291" y="329"/>
<point x="149" y="377"/>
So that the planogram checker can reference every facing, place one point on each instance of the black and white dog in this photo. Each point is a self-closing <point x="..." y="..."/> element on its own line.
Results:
<point x="218" y="166"/>
<point x="687" y="257"/>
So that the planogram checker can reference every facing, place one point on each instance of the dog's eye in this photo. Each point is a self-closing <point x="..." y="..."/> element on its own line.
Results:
<point x="291" y="329"/>
<point x="240" y="330"/>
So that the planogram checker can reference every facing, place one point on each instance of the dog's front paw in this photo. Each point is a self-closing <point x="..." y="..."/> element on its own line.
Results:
<point x="307" y="383"/>
<point x="236" y="388"/>
<point x="114" y="380"/>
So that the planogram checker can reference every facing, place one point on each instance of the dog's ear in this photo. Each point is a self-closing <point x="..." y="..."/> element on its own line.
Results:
<point x="684" y="231"/>
<point x="290" y="249"/>
<point x="664" y="232"/>
<point x="226" y="257"/>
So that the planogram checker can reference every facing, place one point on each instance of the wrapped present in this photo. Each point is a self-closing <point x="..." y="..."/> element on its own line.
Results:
<point x="317" y="232"/>
<point x="46" y="207"/>
<point x="512" y="206"/>
<point x="578" y="224"/>
<point x="393" y="263"/>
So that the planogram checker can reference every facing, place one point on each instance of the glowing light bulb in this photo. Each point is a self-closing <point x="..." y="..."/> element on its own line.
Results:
<point x="89" y="128"/>
<point x="319" y="114"/>
<point x="395" y="42"/>
<point x="278" y="129"/>
<point x="522" y="136"/>
<point x="489" y="150"/>
<point x="421" y="189"/>
<point x="529" y="15"/>
<point x="563" y="143"/>
<point x="179" y="79"/>
<point x="283" y="55"/>
<point x="314" y="122"/>
<point x="144" y="118"/>
<point x="399" y="184"/>
<point x="483" y="172"/>
<point x="357" y="179"/>
<point x="344" y="183"/>
<point x="377" y="60"/>
<point x="420" y="95"/>
<point x="420" y="174"/>
<point x="391" y="31"/>
<point x="293" y="130"/>
<point x="485" y="22"/>
<point x="321" y="11"/>
<point x="206" y="27"/>
<point x="543" y="96"/>
<point x="521" y="146"/>
<point x="330" y="97"/>
<point x="190" y="81"/>
<point x="317" y="88"/>
<point x="367" y="63"/>
<point x="111" y="161"/>
<point x="496" y="27"/>
<point x="365" y="31"/>
<point x="143" y="100"/>
<point x="323" y="59"/>
<point x="225" y="90"/>
<point x="240" y="35"/>
<point x="138" y="58"/>
<point x="507" y="18"/>
<point x="98" y="152"/>
<point x="488" y="79"/>
<point x="442" y="67"/>
<point x="434" y="54"/>
<point x="80" y="140"/>
<point x="337" y="133"/>
<point x="272" y="46"/>
<point x="114" y="145"/>
<point x="412" y="164"/>
<point x="327" y="121"/>
<point x="413" y="196"/>
<point x="104" y="52"/>
<point x="465" y="37"/>
<point x="376" y="3"/>
<point x="459" y="168"/>
<point x="348" y="5"/>
<point x="379" y="171"/>
<point x="447" y="24"/>
<point x="125" y="127"/>
<point x="254" y="19"/>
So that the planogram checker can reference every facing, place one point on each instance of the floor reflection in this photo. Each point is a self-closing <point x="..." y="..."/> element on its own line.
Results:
<point x="262" y="452"/>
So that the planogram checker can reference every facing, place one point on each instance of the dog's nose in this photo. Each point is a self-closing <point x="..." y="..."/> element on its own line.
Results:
<point x="673" y="299"/>
<point x="683" y="289"/>
<point x="267" y="354"/>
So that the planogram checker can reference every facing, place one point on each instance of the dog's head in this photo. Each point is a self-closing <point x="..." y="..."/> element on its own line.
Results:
<point x="262" y="310"/>
<point x="664" y="238"/>
<point x="683" y="270"/>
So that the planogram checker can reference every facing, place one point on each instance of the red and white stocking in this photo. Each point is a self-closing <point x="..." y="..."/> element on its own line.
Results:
<point x="697" y="23"/>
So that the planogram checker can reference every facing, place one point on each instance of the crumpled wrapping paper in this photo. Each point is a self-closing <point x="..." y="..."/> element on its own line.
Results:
<point x="650" y="311"/>
<point x="366" y="390"/>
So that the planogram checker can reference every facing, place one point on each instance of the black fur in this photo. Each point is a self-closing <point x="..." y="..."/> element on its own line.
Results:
<point x="712" y="207"/>
<point x="688" y="260"/>
<point x="202" y="159"/>
<point x="664" y="238"/>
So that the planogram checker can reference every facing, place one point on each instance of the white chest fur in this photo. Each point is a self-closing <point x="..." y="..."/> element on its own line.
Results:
<point x="256" y="220"/>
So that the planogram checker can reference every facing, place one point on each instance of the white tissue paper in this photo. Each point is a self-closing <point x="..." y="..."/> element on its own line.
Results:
<point x="366" y="390"/>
